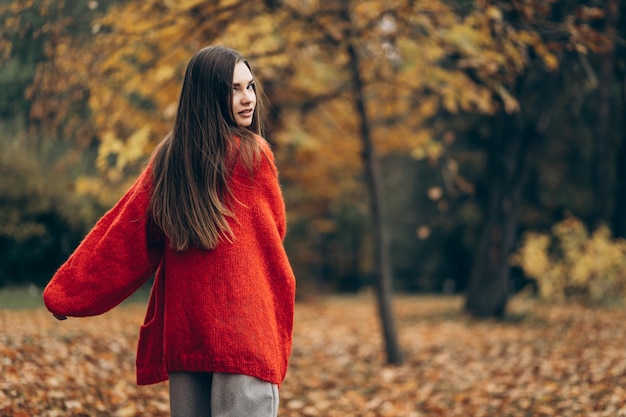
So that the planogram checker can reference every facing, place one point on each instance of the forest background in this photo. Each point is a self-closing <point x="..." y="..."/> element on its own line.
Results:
<point x="474" y="146"/>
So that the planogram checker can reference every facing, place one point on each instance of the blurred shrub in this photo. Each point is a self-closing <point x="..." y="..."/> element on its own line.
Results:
<point x="41" y="220"/>
<point x="571" y="263"/>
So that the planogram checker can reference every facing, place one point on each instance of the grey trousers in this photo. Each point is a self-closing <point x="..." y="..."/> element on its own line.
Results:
<point x="195" y="394"/>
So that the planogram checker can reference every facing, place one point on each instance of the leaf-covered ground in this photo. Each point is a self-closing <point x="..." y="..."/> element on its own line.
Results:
<point x="541" y="361"/>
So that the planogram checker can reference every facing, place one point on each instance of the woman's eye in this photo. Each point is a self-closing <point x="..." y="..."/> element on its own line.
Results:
<point x="249" y="87"/>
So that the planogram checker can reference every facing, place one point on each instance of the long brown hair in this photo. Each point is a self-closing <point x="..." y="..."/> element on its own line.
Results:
<point x="193" y="164"/>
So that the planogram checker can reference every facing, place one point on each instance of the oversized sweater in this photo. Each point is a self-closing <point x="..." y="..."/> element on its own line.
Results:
<point x="229" y="309"/>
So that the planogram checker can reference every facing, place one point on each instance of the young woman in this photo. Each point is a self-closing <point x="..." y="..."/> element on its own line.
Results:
<point x="206" y="218"/>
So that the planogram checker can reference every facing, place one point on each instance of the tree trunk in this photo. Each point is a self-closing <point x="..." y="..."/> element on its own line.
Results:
<point x="619" y="211"/>
<point x="507" y="167"/>
<point x="383" y="269"/>
<point x="619" y="53"/>
<point x="515" y="139"/>
<point x="600" y="178"/>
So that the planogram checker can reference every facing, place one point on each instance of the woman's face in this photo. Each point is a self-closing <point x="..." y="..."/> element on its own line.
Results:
<point x="244" y="95"/>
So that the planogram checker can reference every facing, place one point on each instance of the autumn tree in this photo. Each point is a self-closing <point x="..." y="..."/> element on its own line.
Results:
<point x="516" y="135"/>
<point x="383" y="267"/>
<point x="343" y="41"/>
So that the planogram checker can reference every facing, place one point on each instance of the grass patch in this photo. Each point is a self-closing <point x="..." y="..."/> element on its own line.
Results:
<point x="30" y="297"/>
<point x="20" y="298"/>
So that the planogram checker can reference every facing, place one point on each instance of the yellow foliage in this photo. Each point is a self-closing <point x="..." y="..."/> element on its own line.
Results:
<point x="260" y="31"/>
<point x="164" y="73"/>
<point x="124" y="152"/>
<point x="416" y="57"/>
<point x="325" y="164"/>
<point x="99" y="188"/>
<point x="572" y="263"/>
<point x="136" y="146"/>
<point x="183" y="4"/>
<point x="467" y="39"/>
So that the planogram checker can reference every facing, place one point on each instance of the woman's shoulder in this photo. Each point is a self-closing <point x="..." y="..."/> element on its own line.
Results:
<point x="265" y="147"/>
<point x="263" y="143"/>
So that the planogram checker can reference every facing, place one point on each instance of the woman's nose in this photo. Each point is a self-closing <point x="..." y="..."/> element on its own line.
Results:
<point x="247" y="96"/>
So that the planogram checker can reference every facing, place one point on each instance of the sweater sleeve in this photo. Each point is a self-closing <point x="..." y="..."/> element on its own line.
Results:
<point x="117" y="256"/>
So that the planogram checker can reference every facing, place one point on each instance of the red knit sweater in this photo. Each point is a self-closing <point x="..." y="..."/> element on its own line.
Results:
<point x="228" y="310"/>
